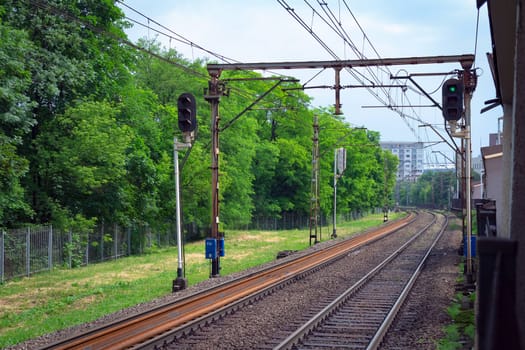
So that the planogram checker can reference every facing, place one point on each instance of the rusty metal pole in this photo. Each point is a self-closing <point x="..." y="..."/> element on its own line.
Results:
<point x="469" y="79"/>
<point x="337" y="91"/>
<point x="314" y="201"/>
<point x="334" y="233"/>
<point x="213" y="97"/>
<point x="463" y="195"/>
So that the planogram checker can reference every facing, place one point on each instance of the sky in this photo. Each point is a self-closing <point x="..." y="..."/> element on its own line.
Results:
<point x="264" y="31"/>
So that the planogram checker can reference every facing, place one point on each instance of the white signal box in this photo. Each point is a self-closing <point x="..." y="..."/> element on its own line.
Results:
<point x="341" y="160"/>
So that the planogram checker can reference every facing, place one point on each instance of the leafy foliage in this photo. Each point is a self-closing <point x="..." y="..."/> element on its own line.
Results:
<point x="15" y="121"/>
<point x="88" y="127"/>
<point x="434" y="189"/>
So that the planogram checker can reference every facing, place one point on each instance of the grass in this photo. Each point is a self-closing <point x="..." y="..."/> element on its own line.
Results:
<point x="462" y="329"/>
<point x="50" y="301"/>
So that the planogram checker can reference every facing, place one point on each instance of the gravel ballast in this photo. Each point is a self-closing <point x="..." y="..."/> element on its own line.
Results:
<point x="253" y="326"/>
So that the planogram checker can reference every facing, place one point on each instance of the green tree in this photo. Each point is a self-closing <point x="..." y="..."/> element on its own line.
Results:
<point x="69" y="61"/>
<point x="84" y="162"/>
<point x="433" y="189"/>
<point x="15" y="120"/>
<point x="166" y="81"/>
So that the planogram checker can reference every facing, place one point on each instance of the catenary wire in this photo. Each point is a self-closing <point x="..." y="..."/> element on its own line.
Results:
<point x="285" y="5"/>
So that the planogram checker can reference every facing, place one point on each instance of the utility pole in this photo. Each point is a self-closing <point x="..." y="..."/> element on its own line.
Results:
<point x="215" y="243"/>
<point x="469" y="80"/>
<point x="334" y="232"/>
<point x="315" y="230"/>
<point x="385" y="190"/>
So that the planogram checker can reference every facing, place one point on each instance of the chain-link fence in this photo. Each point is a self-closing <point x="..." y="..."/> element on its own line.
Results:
<point x="289" y="221"/>
<point x="26" y="251"/>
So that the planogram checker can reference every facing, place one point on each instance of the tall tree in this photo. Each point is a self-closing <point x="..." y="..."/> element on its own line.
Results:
<point x="69" y="61"/>
<point x="15" y="122"/>
<point x="83" y="162"/>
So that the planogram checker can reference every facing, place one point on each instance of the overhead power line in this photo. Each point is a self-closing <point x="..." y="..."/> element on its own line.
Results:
<point x="173" y="36"/>
<point x="70" y="16"/>
<point x="336" y="25"/>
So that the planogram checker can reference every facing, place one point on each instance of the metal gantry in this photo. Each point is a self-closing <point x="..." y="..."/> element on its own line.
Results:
<point x="216" y="90"/>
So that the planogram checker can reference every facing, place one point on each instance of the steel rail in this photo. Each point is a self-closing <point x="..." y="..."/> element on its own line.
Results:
<point x="315" y="321"/>
<point x="385" y="326"/>
<point x="155" y="326"/>
<point x="161" y="341"/>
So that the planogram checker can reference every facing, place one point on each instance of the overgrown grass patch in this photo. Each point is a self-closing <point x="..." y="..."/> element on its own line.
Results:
<point x="54" y="300"/>
<point x="462" y="328"/>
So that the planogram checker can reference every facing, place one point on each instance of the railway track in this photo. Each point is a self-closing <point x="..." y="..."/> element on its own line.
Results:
<point x="161" y="325"/>
<point x="360" y="317"/>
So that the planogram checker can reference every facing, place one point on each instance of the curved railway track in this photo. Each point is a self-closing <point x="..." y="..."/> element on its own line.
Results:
<point x="160" y="325"/>
<point x="360" y="317"/>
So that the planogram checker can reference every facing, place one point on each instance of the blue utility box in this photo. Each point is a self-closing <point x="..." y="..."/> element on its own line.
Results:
<point x="221" y="246"/>
<point x="211" y="248"/>
<point x="472" y="246"/>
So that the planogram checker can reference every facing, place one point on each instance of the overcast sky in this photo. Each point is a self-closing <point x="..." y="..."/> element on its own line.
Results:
<point x="264" y="31"/>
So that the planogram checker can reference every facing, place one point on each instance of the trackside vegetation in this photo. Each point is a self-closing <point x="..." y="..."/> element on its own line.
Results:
<point x="87" y="128"/>
<point x="50" y="301"/>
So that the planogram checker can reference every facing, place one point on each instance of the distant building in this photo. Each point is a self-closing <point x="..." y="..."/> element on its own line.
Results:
<point x="493" y="176"/>
<point x="495" y="139"/>
<point x="477" y="165"/>
<point x="410" y="156"/>
<point x="477" y="189"/>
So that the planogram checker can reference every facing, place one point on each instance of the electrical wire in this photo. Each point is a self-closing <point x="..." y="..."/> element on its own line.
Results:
<point x="336" y="25"/>
<point x="354" y="73"/>
<point x="67" y="15"/>
<point x="346" y="37"/>
<point x="178" y="37"/>
<point x="292" y="12"/>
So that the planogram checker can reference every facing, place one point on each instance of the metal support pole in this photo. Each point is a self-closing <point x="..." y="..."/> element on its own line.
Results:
<point x="337" y="90"/>
<point x="180" y="282"/>
<point x="469" y="80"/>
<point x="50" y="248"/>
<point x="180" y="272"/>
<point x="213" y="97"/>
<point x="334" y="233"/>
<point x="2" y="252"/>
<point x="314" y="201"/>
<point x="70" y="250"/>
<point x="28" y="252"/>
<point x="115" y="241"/>
<point x="102" y="228"/>
<point x="128" y="236"/>
<point x="468" y="160"/>
<point x="458" y="175"/>
<point x="87" y="250"/>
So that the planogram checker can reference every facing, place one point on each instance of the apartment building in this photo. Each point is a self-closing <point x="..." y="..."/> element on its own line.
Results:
<point x="410" y="156"/>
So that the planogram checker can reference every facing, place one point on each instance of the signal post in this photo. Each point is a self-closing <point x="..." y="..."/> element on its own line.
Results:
<point x="457" y="97"/>
<point x="187" y="113"/>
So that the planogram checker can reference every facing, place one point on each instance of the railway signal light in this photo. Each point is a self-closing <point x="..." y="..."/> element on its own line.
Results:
<point x="452" y="99"/>
<point x="187" y="112"/>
